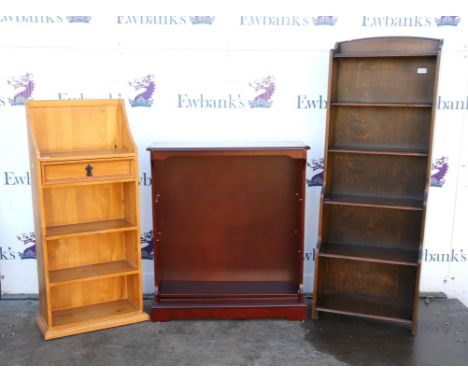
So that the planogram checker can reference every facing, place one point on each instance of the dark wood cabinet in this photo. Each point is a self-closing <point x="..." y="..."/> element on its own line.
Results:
<point x="229" y="230"/>
<point x="377" y="168"/>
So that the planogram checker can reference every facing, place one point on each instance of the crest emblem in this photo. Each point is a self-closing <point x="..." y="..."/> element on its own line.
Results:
<point x="439" y="169"/>
<point x="144" y="86"/>
<point x="447" y="21"/>
<point x="324" y="20"/>
<point x="264" y="88"/>
<point x="29" y="241"/>
<point x="24" y="87"/>
<point x="79" y="19"/>
<point x="317" y="173"/>
<point x="202" y="20"/>
<point x="147" y="245"/>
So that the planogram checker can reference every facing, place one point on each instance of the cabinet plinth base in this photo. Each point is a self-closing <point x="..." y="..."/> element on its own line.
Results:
<point x="163" y="312"/>
<point x="83" y="327"/>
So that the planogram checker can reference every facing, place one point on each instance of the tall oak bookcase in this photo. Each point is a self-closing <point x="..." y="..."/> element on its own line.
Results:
<point x="381" y="105"/>
<point x="84" y="175"/>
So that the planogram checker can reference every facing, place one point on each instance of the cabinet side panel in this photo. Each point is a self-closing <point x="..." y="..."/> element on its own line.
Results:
<point x="428" y="177"/>
<point x="134" y="291"/>
<point x="41" y="246"/>
<point x="35" y="168"/>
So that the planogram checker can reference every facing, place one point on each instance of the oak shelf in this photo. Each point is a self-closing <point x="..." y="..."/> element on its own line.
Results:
<point x="381" y="98"/>
<point x="379" y="150"/>
<point x="93" y="271"/>
<point x="84" y="178"/>
<point x="382" y="104"/>
<point x="359" y="252"/>
<point x="352" y="305"/>
<point x="89" y="228"/>
<point x="374" y="201"/>
<point x="385" y="54"/>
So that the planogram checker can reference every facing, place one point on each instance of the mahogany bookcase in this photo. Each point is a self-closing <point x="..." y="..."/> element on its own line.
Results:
<point x="229" y="230"/>
<point x="381" y="95"/>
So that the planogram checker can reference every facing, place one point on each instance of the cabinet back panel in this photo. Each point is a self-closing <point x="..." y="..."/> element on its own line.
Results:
<point x="86" y="250"/>
<point x="69" y="128"/>
<point x="88" y="292"/>
<point x="373" y="80"/>
<point x="378" y="175"/>
<point x="70" y="205"/>
<point x="229" y="218"/>
<point x="369" y="279"/>
<point x="372" y="226"/>
<point x="406" y="128"/>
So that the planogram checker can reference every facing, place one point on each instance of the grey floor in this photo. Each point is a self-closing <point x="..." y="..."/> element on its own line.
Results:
<point x="442" y="339"/>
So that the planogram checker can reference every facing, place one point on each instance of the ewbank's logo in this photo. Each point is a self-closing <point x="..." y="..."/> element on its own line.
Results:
<point x="324" y="20"/>
<point x="447" y="21"/>
<point x="147" y="245"/>
<point x="24" y="87"/>
<point x="29" y="241"/>
<point x="196" y="20"/>
<point x="144" y="86"/>
<point x="287" y="21"/>
<point x="79" y="19"/>
<point x="439" y="169"/>
<point x="317" y="173"/>
<point x="264" y="88"/>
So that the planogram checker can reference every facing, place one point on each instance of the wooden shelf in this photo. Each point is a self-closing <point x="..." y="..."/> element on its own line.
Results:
<point x="384" y="55"/>
<point x="352" y="305"/>
<point x="93" y="271"/>
<point x="381" y="104"/>
<point x="95" y="312"/>
<point x="378" y="150"/>
<point x="90" y="228"/>
<point x="374" y="201"/>
<point x="398" y="256"/>
<point x="227" y="288"/>
<point x="88" y="154"/>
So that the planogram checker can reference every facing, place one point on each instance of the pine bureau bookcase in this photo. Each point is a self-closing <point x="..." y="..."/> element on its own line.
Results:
<point x="229" y="230"/>
<point x="381" y="105"/>
<point x="84" y="175"/>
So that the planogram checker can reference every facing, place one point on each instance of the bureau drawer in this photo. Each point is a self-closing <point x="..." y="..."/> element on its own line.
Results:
<point x="86" y="171"/>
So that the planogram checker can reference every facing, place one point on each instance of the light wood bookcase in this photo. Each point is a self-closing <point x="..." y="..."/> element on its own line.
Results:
<point x="84" y="174"/>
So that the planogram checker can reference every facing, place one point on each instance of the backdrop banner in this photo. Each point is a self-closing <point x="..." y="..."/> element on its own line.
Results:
<point x="220" y="77"/>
